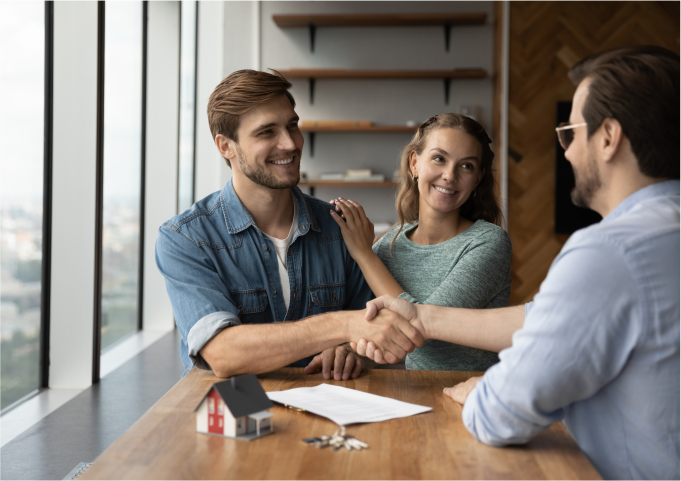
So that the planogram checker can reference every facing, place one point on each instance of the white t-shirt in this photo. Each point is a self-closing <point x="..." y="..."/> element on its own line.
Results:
<point x="281" y="246"/>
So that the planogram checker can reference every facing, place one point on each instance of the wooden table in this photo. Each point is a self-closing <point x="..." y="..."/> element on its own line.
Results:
<point x="163" y="444"/>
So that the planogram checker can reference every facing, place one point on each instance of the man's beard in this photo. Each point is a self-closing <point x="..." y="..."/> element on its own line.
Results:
<point x="261" y="176"/>
<point x="587" y="183"/>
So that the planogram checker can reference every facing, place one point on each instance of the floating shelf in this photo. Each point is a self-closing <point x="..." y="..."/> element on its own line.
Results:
<point x="384" y="129"/>
<point x="446" y="20"/>
<point x="336" y="73"/>
<point x="339" y="73"/>
<point x="343" y="183"/>
<point x="380" y="20"/>
<point x="338" y="127"/>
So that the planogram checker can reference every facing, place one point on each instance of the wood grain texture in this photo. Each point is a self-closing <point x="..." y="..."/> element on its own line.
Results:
<point x="378" y="129"/>
<point x="546" y="39"/>
<point x="343" y="183"/>
<point x="163" y="444"/>
<point x="339" y="73"/>
<point x="380" y="20"/>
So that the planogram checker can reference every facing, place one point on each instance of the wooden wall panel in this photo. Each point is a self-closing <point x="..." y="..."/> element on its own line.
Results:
<point x="546" y="39"/>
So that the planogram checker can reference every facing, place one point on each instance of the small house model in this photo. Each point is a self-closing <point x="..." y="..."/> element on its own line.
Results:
<point x="237" y="408"/>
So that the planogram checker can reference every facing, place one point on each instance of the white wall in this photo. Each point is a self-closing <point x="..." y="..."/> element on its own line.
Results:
<point x="381" y="101"/>
<point x="163" y="64"/>
<point x="73" y="196"/>
<point x="211" y="169"/>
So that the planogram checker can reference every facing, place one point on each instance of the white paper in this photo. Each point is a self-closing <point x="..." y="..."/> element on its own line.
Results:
<point x="346" y="406"/>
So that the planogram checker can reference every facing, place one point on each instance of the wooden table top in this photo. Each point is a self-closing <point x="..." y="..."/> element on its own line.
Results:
<point x="163" y="443"/>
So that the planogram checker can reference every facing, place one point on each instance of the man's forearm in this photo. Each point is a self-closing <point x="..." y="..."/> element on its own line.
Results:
<point x="257" y="348"/>
<point x="488" y="329"/>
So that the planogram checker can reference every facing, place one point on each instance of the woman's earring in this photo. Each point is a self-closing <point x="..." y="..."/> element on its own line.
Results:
<point x="415" y="179"/>
<point x="474" y="193"/>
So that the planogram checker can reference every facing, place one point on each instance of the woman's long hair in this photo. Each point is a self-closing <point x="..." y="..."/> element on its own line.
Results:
<point x="483" y="205"/>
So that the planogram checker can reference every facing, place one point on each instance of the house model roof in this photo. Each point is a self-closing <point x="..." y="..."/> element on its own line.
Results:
<point x="243" y="395"/>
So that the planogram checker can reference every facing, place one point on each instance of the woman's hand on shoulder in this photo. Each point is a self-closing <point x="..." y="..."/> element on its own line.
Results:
<point x="357" y="229"/>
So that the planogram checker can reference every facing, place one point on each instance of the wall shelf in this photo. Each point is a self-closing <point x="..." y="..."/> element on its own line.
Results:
<point x="350" y="127"/>
<point x="445" y="20"/>
<point x="343" y="183"/>
<point x="335" y="73"/>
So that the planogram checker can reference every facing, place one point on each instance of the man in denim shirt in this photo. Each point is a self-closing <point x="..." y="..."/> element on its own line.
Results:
<point x="245" y="260"/>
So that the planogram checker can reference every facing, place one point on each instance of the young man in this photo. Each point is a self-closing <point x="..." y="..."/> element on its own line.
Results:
<point x="245" y="260"/>
<point x="599" y="346"/>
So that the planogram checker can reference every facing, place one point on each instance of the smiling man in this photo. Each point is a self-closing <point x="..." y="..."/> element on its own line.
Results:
<point x="598" y="348"/>
<point x="246" y="260"/>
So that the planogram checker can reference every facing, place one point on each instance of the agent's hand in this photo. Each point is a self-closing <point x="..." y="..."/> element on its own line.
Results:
<point x="346" y="363"/>
<point x="460" y="392"/>
<point x="357" y="229"/>
<point x="390" y="333"/>
<point x="403" y="308"/>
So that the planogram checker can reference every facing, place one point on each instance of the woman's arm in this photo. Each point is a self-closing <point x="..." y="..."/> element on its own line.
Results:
<point x="358" y="234"/>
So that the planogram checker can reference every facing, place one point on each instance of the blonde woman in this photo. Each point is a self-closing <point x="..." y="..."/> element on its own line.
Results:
<point x="446" y="248"/>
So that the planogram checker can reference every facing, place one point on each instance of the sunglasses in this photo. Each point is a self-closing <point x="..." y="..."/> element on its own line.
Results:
<point x="565" y="133"/>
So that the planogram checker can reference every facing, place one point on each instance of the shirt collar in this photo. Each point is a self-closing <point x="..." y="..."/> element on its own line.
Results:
<point x="237" y="217"/>
<point x="659" y="189"/>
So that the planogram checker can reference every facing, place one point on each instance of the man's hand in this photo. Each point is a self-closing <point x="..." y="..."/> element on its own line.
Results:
<point x="392" y="335"/>
<point x="460" y="392"/>
<point x="346" y="363"/>
<point x="403" y="308"/>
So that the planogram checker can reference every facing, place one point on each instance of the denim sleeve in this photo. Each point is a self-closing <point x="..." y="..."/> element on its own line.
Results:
<point x="577" y="337"/>
<point x="357" y="290"/>
<point x="201" y="302"/>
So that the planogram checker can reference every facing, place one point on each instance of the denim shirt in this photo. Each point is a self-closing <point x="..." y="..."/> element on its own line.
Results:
<point x="221" y="270"/>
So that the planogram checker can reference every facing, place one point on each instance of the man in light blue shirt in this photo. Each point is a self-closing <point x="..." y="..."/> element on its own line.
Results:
<point x="599" y="347"/>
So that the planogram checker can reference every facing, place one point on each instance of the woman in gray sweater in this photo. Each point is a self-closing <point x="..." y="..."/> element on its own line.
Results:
<point x="446" y="249"/>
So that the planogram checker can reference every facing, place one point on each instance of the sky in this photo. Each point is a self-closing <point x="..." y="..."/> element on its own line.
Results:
<point x="22" y="54"/>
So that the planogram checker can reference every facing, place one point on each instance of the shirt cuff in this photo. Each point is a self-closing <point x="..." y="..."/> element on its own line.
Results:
<point x="204" y="330"/>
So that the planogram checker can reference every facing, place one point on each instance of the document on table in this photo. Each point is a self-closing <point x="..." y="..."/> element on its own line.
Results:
<point x="346" y="406"/>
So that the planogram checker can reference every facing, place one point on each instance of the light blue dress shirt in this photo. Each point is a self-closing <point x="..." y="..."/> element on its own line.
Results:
<point x="599" y="348"/>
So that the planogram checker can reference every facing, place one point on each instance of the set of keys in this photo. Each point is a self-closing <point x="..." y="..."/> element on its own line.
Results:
<point x="337" y="441"/>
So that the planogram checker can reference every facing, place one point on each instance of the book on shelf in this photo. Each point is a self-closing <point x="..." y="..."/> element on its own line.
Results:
<point x="358" y="173"/>
<point x="365" y="178"/>
<point x="332" y="176"/>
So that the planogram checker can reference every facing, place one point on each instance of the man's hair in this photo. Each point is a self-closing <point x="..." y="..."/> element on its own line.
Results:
<point x="639" y="87"/>
<point x="239" y="93"/>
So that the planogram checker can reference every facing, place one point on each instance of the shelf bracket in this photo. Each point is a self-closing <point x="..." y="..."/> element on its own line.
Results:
<point x="311" y="91"/>
<point x="313" y="30"/>
<point x="448" y="32"/>
<point x="447" y="83"/>
<point x="311" y="144"/>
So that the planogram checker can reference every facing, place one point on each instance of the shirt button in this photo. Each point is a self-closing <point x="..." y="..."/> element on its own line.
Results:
<point x="294" y="294"/>
<point x="275" y="293"/>
<point x="267" y="248"/>
<point x="303" y="227"/>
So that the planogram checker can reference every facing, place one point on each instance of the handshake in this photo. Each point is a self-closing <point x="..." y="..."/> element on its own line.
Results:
<point x="390" y="328"/>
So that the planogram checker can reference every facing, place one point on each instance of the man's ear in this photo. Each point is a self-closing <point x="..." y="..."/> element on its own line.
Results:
<point x="227" y="147"/>
<point x="609" y="139"/>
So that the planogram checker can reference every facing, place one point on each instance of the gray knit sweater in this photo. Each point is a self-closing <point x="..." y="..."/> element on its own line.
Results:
<point x="470" y="270"/>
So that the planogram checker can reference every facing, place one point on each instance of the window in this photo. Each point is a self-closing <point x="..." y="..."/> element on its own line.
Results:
<point x="22" y="86"/>
<point x="185" y="179"/>
<point x="211" y="405"/>
<point x="220" y="404"/>
<point x="123" y="48"/>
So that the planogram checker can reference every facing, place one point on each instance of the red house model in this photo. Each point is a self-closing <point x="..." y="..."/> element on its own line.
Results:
<point x="237" y="408"/>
